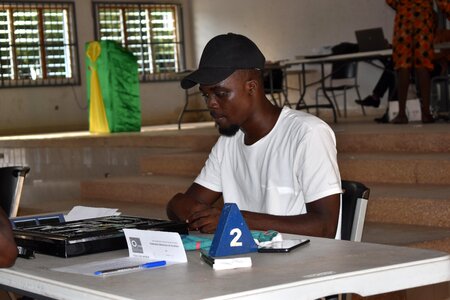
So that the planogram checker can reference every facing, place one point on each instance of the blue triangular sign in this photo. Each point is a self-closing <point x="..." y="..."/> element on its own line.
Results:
<point x="232" y="235"/>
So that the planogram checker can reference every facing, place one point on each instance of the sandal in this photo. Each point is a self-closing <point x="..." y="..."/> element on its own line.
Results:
<point x="427" y="118"/>
<point x="369" y="101"/>
<point x="400" y="120"/>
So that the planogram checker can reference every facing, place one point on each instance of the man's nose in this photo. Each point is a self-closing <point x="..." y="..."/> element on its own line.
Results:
<point x="211" y="102"/>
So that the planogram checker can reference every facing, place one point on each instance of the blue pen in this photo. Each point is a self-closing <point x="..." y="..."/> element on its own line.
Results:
<point x="149" y="265"/>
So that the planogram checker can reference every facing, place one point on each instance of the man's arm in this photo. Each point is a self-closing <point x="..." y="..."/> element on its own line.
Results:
<point x="197" y="202"/>
<point x="8" y="253"/>
<point x="320" y="220"/>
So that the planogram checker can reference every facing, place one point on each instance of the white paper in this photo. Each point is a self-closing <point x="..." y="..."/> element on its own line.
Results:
<point x="413" y="110"/>
<point x="232" y="263"/>
<point x="85" y="212"/>
<point x="155" y="245"/>
<point x="144" y="246"/>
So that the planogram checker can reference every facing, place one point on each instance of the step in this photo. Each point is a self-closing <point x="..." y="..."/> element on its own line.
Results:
<point x="196" y="139"/>
<point x="63" y="195"/>
<point x="141" y="189"/>
<point x="180" y="164"/>
<point x="419" y="204"/>
<point x="411" y="138"/>
<point x="426" y="237"/>
<point x="374" y="167"/>
<point x="396" y="167"/>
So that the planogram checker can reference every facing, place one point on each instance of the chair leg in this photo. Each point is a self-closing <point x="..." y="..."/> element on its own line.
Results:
<point x="273" y="99"/>
<point x="345" y="103"/>
<point x="359" y="98"/>
<point x="317" y="101"/>
<point x="286" y="100"/>
<point x="180" y="116"/>
<point x="336" y="103"/>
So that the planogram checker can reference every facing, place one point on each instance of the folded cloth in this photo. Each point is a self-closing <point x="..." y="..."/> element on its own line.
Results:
<point x="262" y="237"/>
<point x="192" y="242"/>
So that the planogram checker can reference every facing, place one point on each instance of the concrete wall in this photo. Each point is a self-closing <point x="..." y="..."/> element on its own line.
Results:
<point x="282" y="29"/>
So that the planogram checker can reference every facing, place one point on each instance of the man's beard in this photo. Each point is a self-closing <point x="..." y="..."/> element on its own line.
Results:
<point x="229" y="131"/>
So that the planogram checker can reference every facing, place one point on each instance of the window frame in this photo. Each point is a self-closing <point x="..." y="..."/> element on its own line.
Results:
<point x="72" y="45"/>
<point x="147" y="75"/>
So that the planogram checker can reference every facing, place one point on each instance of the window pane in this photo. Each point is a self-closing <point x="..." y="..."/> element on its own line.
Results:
<point x="138" y="39"/>
<point x="164" y="38"/>
<point x="111" y="25"/>
<point x="26" y="39"/>
<point x="149" y="31"/>
<point x="6" y="70"/>
<point x="37" y="44"/>
<point x="56" y="40"/>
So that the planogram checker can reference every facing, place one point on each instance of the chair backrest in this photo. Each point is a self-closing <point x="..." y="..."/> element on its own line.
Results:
<point x="273" y="80"/>
<point x="344" y="70"/>
<point x="354" y="205"/>
<point x="11" y="183"/>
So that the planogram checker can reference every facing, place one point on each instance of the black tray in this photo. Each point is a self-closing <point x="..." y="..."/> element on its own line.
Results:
<point x="88" y="236"/>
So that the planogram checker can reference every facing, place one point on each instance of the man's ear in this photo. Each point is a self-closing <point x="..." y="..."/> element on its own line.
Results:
<point x="252" y="86"/>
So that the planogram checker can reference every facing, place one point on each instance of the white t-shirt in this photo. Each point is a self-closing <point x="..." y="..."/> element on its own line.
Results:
<point x="294" y="164"/>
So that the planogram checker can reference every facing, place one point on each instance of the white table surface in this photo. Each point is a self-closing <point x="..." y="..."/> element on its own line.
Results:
<point x="332" y="58"/>
<point x="439" y="46"/>
<point x="321" y="268"/>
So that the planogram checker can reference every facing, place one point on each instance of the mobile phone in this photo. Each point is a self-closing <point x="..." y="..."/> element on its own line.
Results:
<point x="282" y="246"/>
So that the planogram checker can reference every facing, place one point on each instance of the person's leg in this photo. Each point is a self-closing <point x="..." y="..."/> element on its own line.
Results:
<point x="423" y="76"/>
<point x="371" y="100"/>
<point x="402" y="89"/>
<point x="392" y="96"/>
<point x="380" y="88"/>
<point x="391" y="84"/>
<point x="385" y="82"/>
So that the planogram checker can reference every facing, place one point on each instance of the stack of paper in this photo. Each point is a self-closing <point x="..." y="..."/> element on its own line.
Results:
<point x="86" y="212"/>
<point x="226" y="263"/>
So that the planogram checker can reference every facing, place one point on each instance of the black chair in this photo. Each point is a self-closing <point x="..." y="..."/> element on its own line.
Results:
<point x="440" y="97"/>
<point x="354" y="204"/>
<point x="191" y="94"/>
<point x="274" y="85"/>
<point x="343" y="77"/>
<point x="11" y="183"/>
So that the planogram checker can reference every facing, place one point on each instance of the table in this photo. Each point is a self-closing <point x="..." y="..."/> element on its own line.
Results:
<point x="188" y="93"/>
<point x="275" y="82"/>
<point x="322" y="267"/>
<point x="322" y="60"/>
<point x="442" y="46"/>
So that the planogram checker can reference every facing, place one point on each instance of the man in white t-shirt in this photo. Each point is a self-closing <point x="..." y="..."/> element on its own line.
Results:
<point x="278" y="165"/>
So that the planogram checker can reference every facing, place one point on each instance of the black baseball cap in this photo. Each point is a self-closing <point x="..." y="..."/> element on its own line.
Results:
<point x="223" y="55"/>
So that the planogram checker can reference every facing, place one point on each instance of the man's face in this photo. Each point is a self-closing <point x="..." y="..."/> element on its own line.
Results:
<point x="228" y="102"/>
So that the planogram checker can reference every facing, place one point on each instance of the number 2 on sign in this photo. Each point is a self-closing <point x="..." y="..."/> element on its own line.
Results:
<point x="237" y="235"/>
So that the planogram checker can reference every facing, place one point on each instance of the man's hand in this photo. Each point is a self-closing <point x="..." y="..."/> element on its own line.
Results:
<point x="195" y="206"/>
<point x="204" y="218"/>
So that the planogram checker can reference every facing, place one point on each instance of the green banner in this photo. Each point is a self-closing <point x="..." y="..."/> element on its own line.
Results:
<point x="112" y="88"/>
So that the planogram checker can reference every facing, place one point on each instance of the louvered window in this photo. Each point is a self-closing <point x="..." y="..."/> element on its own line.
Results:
<point x="37" y="44"/>
<point x="152" y="32"/>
